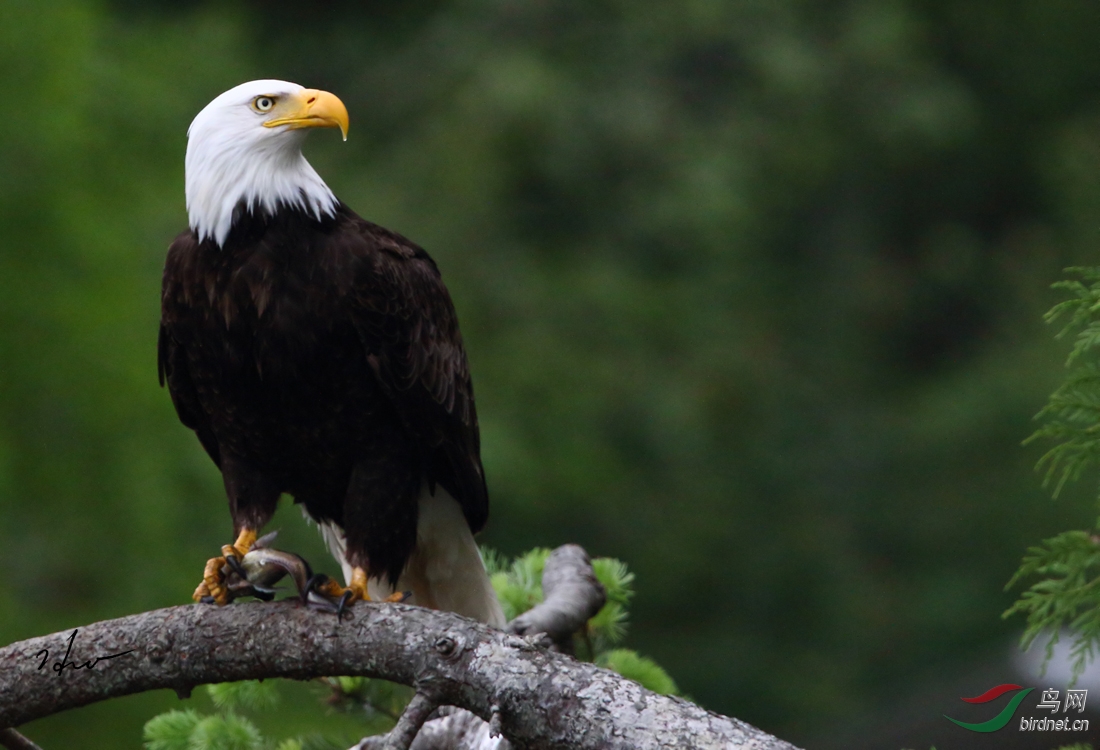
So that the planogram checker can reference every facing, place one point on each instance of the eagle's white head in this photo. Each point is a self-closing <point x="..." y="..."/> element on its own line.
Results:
<point x="245" y="147"/>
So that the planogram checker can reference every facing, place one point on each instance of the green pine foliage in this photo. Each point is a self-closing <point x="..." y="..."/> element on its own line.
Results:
<point x="227" y="729"/>
<point x="1067" y="593"/>
<point x="188" y="730"/>
<point x="312" y="741"/>
<point x="608" y="627"/>
<point x="1073" y="413"/>
<point x="644" y="671"/>
<point x="247" y="695"/>
<point x="171" y="730"/>
<point x="518" y="584"/>
<point x="381" y="700"/>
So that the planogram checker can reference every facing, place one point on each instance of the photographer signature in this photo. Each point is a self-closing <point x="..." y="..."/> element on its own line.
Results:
<point x="60" y="666"/>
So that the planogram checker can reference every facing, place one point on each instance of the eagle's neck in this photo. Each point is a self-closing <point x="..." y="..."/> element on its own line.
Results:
<point x="222" y="176"/>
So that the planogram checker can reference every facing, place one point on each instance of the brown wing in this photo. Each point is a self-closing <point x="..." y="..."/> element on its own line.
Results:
<point x="407" y="322"/>
<point x="172" y="367"/>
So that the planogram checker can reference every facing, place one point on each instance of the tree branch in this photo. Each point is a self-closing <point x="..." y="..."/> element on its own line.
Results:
<point x="571" y="597"/>
<point x="544" y="699"/>
<point x="408" y="726"/>
<point x="12" y="740"/>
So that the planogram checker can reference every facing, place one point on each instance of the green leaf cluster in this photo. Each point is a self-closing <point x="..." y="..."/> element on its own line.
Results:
<point x="189" y="730"/>
<point x="1073" y="412"/>
<point x="227" y="729"/>
<point x="1067" y="593"/>
<point x="380" y="699"/>
<point x="638" y="668"/>
<point x="608" y="627"/>
<point x="518" y="584"/>
<point x="248" y="695"/>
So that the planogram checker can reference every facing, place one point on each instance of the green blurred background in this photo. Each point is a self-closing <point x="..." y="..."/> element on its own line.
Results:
<point x="752" y="294"/>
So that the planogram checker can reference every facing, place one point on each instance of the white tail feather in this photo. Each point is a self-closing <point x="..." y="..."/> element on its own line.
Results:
<point x="337" y="544"/>
<point x="445" y="570"/>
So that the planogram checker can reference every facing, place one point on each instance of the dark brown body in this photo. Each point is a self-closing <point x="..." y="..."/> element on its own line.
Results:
<point x="323" y="359"/>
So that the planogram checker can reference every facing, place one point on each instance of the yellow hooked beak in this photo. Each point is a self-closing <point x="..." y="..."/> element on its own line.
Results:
<point x="311" y="108"/>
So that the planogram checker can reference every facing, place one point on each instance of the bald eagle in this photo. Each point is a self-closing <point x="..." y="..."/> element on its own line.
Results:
<point x="317" y="354"/>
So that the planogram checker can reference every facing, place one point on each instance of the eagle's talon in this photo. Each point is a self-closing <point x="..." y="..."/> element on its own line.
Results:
<point x="313" y="587"/>
<point x="321" y="603"/>
<point x="345" y="599"/>
<point x="235" y="565"/>
<point x="214" y="582"/>
<point x="325" y="594"/>
<point x="316" y="595"/>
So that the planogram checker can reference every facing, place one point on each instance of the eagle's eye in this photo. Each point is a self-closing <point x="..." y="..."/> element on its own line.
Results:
<point x="263" y="103"/>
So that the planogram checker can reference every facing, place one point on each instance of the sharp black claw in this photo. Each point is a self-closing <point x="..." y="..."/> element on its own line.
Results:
<point x="235" y="565"/>
<point x="322" y="603"/>
<point x="207" y="599"/>
<point x="312" y="586"/>
<point x="344" y="598"/>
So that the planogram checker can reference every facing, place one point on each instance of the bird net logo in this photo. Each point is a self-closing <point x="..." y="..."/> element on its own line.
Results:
<point x="1060" y="717"/>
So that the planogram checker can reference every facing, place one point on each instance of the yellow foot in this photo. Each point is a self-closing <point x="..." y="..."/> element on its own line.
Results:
<point x="355" y="591"/>
<point x="213" y="576"/>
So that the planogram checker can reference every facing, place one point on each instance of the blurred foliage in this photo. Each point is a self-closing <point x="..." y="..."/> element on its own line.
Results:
<point x="518" y="584"/>
<point x="251" y="695"/>
<point x="187" y="730"/>
<point x="633" y="666"/>
<point x="749" y="288"/>
<point x="1073" y="413"/>
<point x="227" y="729"/>
<point x="1068" y="594"/>
<point x="381" y="701"/>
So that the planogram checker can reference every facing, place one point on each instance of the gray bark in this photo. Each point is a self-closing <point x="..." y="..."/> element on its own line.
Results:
<point x="571" y="597"/>
<point x="541" y="699"/>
